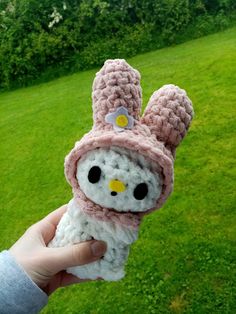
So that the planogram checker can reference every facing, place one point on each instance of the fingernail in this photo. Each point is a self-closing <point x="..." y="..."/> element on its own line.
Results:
<point x="98" y="248"/>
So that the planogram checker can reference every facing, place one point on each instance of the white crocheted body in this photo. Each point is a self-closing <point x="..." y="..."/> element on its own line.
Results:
<point x="76" y="226"/>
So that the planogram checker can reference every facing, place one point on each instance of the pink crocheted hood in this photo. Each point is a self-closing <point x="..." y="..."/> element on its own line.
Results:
<point x="155" y="135"/>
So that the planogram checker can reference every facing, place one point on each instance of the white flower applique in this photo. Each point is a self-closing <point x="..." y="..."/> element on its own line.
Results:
<point x="120" y="119"/>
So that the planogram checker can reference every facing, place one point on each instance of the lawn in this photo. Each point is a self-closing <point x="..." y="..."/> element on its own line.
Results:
<point x="184" y="260"/>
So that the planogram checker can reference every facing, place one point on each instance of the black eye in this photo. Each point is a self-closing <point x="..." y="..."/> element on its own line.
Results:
<point x="140" y="191"/>
<point x="94" y="174"/>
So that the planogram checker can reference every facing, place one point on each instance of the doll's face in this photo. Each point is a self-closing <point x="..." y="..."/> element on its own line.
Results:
<point x="119" y="179"/>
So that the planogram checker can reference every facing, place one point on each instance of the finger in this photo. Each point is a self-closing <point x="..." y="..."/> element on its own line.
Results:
<point x="62" y="279"/>
<point x="55" y="216"/>
<point x="47" y="226"/>
<point x="69" y="279"/>
<point x="75" y="255"/>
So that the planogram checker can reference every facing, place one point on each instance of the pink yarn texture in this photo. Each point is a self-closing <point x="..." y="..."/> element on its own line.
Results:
<point x="155" y="135"/>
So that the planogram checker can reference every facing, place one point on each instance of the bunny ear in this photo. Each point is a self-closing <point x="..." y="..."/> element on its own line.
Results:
<point x="168" y="115"/>
<point x="116" y="87"/>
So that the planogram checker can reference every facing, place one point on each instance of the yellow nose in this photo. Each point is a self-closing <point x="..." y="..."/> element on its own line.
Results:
<point x="117" y="186"/>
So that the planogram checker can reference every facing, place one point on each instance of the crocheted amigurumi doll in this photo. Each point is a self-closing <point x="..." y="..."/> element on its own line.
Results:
<point x="123" y="168"/>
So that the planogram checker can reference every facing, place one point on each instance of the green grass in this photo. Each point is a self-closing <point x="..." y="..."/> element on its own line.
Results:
<point x="184" y="260"/>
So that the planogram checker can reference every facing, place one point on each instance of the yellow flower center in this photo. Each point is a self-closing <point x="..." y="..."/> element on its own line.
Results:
<point x="117" y="186"/>
<point x="122" y="120"/>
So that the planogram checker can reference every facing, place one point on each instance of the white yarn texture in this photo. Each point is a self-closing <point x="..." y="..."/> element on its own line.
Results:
<point x="76" y="226"/>
<point x="129" y="167"/>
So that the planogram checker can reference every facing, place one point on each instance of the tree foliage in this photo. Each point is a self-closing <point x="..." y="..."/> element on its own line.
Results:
<point x="68" y="35"/>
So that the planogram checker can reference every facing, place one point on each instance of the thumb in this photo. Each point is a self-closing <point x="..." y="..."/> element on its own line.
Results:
<point x="76" y="255"/>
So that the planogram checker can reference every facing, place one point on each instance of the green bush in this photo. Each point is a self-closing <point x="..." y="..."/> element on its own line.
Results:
<point x="62" y="36"/>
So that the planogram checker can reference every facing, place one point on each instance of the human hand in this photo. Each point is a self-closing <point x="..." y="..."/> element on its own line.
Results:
<point x="46" y="265"/>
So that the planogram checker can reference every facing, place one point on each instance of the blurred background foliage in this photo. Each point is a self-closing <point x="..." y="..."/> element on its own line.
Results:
<point x="40" y="40"/>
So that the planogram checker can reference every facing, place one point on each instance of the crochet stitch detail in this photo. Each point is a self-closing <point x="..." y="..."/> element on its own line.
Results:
<point x="168" y="115"/>
<point x="76" y="226"/>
